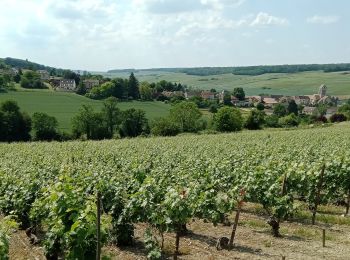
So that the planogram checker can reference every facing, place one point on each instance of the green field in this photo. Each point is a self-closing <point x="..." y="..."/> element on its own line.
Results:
<point x="305" y="83"/>
<point x="65" y="105"/>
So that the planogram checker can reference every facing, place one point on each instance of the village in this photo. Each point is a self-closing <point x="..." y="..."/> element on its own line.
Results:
<point x="308" y="103"/>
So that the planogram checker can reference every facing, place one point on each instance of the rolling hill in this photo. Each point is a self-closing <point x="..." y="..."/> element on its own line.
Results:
<point x="65" y="105"/>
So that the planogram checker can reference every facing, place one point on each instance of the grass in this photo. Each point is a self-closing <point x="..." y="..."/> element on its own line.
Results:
<point x="282" y="83"/>
<point x="64" y="105"/>
<point x="254" y="223"/>
<point x="326" y="214"/>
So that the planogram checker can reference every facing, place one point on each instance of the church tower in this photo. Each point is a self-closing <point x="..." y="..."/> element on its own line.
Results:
<point x="323" y="91"/>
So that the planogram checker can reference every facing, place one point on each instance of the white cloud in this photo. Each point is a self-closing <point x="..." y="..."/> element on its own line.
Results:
<point x="317" y="19"/>
<point x="176" y="6"/>
<point x="264" y="19"/>
<point x="97" y="34"/>
<point x="220" y="4"/>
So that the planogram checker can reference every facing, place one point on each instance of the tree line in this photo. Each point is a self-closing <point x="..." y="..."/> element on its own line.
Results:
<point x="131" y="89"/>
<point x="260" y="70"/>
<point x="184" y="117"/>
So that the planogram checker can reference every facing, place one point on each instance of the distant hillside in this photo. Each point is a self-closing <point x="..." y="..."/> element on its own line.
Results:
<point x="25" y="64"/>
<point x="251" y="70"/>
<point x="176" y="70"/>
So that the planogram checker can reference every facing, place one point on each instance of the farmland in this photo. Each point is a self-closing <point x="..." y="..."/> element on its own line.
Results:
<point x="158" y="185"/>
<point x="64" y="105"/>
<point x="305" y="83"/>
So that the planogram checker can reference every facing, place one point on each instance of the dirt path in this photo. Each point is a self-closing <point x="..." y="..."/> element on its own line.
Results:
<point x="253" y="241"/>
<point x="20" y="248"/>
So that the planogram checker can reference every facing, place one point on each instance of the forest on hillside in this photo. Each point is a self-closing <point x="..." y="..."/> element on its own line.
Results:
<point x="250" y="70"/>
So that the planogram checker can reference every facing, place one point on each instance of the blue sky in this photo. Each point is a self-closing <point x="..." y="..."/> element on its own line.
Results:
<point x="106" y="34"/>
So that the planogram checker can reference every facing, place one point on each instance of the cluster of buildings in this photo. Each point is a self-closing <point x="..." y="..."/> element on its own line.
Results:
<point x="61" y="84"/>
<point x="70" y="85"/>
<point x="309" y="102"/>
<point x="268" y="100"/>
<point x="306" y="100"/>
<point x="10" y="72"/>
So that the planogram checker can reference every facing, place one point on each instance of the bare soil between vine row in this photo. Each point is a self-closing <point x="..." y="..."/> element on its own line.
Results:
<point x="253" y="241"/>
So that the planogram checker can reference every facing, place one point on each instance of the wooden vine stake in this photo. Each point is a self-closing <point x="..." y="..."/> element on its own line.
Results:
<point x="180" y="229"/>
<point x="323" y="237"/>
<point x="318" y="194"/>
<point x="238" y="212"/>
<point x="98" y="225"/>
<point x="347" y="204"/>
<point x="177" y="244"/>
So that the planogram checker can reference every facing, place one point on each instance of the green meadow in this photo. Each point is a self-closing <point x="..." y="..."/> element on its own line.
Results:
<point x="304" y="83"/>
<point x="66" y="105"/>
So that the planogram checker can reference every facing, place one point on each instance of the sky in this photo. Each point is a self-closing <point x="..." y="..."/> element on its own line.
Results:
<point x="98" y="35"/>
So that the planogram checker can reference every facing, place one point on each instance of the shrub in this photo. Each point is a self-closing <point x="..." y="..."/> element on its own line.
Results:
<point x="134" y="123"/>
<point x="165" y="127"/>
<point x="69" y="214"/>
<point x="338" y="118"/>
<point x="14" y="124"/>
<point x="213" y="109"/>
<point x="45" y="126"/>
<point x="319" y="119"/>
<point x="280" y="110"/>
<point x="260" y="106"/>
<point x="289" y="121"/>
<point x="271" y="121"/>
<point x="255" y="120"/>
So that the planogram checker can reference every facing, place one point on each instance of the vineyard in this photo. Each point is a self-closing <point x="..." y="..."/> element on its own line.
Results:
<point x="166" y="186"/>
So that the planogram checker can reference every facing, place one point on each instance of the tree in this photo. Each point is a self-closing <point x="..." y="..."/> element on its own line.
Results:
<point x="31" y="79"/>
<point x="165" y="127"/>
<point x="186" y="115"/>
<point x="89" y="123"/>
<point x="3" y="82"/>
<point x="44" y="126"/>
<point x="227" y="100"/>
<point x="322" y="109"/>
<point x="133" y="87"/>
<point x="260" y="106"/>
<point x="68" y="74"/>
<point x="17" y="78"/>
<point x="292" y="107"/>
<point x="213" y="108"/>
<point x="279" y="110"/>
<point x="120" y="89"/>
<point x="271" y="121"/>
<point x="112" y="114"/>
<point x="101" y="92"/>
<point x="146" y="92"/>
<point x="14" y="125"/>
<point x="228" y="119"/>
<point x="134" y="123"/>
<point x="81" y="90"/>
<point x="255" y="120"/>
<point x="239" y="93"/>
